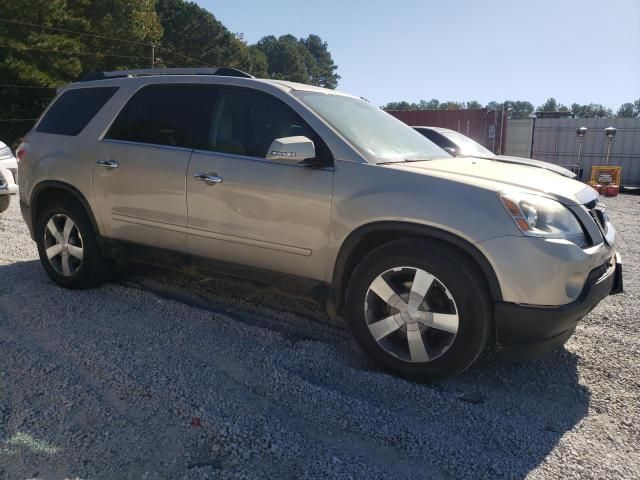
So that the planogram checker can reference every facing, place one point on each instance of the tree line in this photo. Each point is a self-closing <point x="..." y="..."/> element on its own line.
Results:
<point x="48" y="43"/>
<point x="524" y="109"/>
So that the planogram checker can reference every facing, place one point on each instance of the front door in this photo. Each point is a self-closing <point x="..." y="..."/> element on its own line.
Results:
<point x="250" y="211"/>
<point x="139" y="172"/>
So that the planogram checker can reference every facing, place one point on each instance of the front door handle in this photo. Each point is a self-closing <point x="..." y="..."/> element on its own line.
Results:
<point x="108" y="163"/>
<point x="208" y="178"/>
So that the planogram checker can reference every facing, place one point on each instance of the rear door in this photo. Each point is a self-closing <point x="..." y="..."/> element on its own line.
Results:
<point x="140" y="166"/>
<point x="261" y="213"/>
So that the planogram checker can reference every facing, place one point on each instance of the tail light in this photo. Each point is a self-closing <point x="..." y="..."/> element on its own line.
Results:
<point x="21" y="151"/>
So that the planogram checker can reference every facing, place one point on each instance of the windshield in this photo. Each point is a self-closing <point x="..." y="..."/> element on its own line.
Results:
<point x="466" y="146"/>
<point x="379" y="136"/>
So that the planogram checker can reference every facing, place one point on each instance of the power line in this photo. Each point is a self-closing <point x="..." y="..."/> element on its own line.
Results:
<point x="106" y="38"/>
<point x="18" y="119"/>
<point x="184" y="56"/>
<point x="26" y="86"/>
<point x="69" y="52"/>
<point x="72" y="31"/>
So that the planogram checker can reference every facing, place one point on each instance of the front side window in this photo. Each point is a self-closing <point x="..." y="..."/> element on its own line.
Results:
<point x="376" y="134"/>
<point x="246" y="122"/>
<point x="74" y="109"/>
<point x="173" y="115"/>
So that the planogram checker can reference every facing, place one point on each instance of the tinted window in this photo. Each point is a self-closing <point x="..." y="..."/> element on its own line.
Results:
<point x="436" y="138"/>
<point x="246" y="122"/>
<point x="74" y="109"/>
<point x="172" y="115"/>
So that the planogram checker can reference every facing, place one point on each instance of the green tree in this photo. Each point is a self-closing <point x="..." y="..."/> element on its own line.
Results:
<point x="629" y="110"/>
<point x="133" y="22"/>
<point x="451" y="105"/>
<point x="29" y="54"/>
<point x="625" y="111"/>
<point x="474" y="104"/>
<point x="551" y="105"/>
<point x="432" y="104"/>
<point x="287" y="58"/>
<point x="519" y="108"/>
<point x="395" y="106"/>
<point x="323" y="73"/>
<point x="591" y="110"/>
<point x="34" y="56"/>
<point x="192" y="31"/>
<point x="259" y="65"/>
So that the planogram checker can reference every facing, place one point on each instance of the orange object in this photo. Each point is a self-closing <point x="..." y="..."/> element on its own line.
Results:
<point x="606" y="175"/>
<point x="598" y="188"/>
<point x="612" y="190"/>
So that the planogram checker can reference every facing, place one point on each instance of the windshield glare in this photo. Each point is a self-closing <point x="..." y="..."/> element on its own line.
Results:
<point x="379" y="136"/>
<point x="466" y="146"/>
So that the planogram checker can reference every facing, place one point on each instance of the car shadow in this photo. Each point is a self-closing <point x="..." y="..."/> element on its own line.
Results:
<point x="496" y="420"/>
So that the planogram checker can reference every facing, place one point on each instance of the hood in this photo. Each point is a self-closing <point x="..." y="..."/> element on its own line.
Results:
<point x="537" y="163"/>
<point x="7" y="160"/>
<point x="504" y="177"/>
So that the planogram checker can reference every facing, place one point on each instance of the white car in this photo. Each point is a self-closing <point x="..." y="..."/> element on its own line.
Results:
<point x="460" y="145"/>
<point x="8" y="176"/>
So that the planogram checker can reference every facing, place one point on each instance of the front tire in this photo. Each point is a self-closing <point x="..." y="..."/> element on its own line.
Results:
<point x="68" y="247"/>
<point x="420" y="309"/>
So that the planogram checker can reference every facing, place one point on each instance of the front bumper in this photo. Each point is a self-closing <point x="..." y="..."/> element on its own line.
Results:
<point x="8" y="185"/>
<point x="526" y="331"/>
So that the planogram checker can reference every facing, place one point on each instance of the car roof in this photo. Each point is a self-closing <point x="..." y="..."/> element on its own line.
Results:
<point x="170" y="77"/>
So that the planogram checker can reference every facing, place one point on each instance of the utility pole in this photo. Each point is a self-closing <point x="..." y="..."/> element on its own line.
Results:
<point x="153" y="56"/>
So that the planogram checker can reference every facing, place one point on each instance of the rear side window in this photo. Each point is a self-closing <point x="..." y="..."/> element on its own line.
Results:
<point x="71" y="112"/>
<point x="171" y="115"/>
<point x="436" y="138"/>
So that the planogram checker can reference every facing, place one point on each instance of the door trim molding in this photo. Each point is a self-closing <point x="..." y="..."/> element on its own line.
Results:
<point x="305" y="252"/>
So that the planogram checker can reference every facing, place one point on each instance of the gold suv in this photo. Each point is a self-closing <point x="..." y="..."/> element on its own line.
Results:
<point x="429" y="257"/>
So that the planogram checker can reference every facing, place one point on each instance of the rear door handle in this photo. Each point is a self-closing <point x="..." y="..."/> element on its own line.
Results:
<point x="208" y="178"/>
<point x="108" y="163"/>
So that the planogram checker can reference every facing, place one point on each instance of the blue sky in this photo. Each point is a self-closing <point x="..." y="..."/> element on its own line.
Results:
<point x="574" y="50"/>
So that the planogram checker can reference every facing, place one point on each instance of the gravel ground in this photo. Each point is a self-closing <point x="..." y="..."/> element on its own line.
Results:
<point x="159" y="375"/>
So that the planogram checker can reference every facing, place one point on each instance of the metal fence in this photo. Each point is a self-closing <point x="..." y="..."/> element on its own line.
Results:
<point x="554" y="140"/>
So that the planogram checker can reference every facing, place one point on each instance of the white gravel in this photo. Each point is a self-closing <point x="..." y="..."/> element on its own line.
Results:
<point x="159" y="375"/>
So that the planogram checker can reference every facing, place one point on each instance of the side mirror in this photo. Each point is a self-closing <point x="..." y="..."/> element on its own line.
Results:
<point x="291" y="150"/>
<point x="450" y="150"/>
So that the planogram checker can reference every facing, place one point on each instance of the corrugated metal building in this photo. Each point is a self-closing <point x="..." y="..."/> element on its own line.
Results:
<point x="554" y="140"/>
<point x="482" y="125"/>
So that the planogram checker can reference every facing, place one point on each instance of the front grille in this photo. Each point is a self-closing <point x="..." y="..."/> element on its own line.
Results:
<point x="598" y="212"/>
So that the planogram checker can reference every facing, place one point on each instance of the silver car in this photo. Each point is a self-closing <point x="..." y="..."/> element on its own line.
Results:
<point x="429" y="258"/>
<point x="460" y="145"/>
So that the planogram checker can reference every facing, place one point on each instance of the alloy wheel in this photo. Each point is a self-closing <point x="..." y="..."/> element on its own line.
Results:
<point x="63" y="245"/>
<point x="411" y="314"/>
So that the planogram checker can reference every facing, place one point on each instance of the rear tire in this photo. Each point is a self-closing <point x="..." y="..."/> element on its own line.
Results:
<point x="68" y="246"/>
<point x="5" y="200"/>
<point x="434" y="319"/>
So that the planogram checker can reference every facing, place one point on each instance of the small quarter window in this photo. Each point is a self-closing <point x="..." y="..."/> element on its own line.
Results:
<point x="74" y="109"/>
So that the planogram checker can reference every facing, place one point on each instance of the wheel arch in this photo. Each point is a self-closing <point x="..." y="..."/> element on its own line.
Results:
<point x="368" y="237"/>
<point x="53" y="188"/>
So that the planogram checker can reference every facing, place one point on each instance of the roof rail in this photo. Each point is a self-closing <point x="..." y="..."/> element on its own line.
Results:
<point x="219" y="71"/>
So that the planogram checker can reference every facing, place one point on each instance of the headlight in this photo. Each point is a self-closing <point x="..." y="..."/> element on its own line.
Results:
<point x="543" y="217"/>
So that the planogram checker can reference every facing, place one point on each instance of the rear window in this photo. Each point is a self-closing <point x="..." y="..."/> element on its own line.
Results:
<point x="71" y="112"/>
<point x="173" y="115"/>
